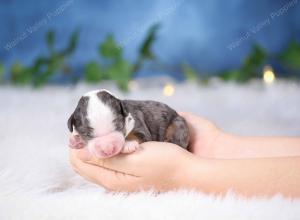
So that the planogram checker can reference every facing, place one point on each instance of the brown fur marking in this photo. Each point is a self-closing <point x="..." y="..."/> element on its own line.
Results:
<point x="134" y="136"/>
<point x="169" y="136"/>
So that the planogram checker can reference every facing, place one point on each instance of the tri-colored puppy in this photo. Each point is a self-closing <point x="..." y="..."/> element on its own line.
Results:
<point x="108" y="125"/>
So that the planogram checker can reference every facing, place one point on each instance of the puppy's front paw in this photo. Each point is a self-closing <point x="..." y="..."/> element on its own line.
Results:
<point x="76" y="142"/>
<point x="130" y="147"/>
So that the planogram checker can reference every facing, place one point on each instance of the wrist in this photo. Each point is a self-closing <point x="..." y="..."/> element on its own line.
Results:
<point x="203" y="175"/>
<point x="190" y="174"/>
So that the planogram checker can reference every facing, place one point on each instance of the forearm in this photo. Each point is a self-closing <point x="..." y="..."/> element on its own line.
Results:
<point x="228" y="146"/>
<point x="251" y="177"/>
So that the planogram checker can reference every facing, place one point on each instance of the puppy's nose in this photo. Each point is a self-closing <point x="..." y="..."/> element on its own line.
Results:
<point x="107" y="146"/>
<point x="109" y="150"/>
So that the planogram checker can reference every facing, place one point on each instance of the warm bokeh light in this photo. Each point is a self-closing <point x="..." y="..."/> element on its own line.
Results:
<point x="133" y="85"/>
<point x="268" y="75"/>
<point x="168" y="90"/>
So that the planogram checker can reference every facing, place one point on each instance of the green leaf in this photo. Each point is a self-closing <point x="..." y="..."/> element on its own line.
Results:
<point x="251" y="67"/>
<point x="50" y="39"/>
<point x="2" y="70"/>
<point x="73" y="41"/>
<point x="110" y="49"/>
<point x="230" y="75"/>
<point x="145" y="51"/>
<point x="121" y="73"/>
<point x="43" y="78"/>
<point x="291" y="55"/>
<point x="20" y="74"/>
<point x="253" y="63"/>
<point x="189" y="72"/>
<point x="38" y="64"/>
<point x="117" y="69"/>
<point x="43" y="68"/>
<point x="93" y="72"/>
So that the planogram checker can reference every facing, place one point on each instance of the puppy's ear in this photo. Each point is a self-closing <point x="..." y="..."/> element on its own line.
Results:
<point x="129" y="122"/>
<point x="71" y="122"/>
<point x="124" y="111"/>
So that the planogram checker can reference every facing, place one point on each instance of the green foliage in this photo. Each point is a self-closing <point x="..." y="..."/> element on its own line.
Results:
<point x="192" y="75"/>
<point x="291" y="55"/>
<point x="2" y="70"/>
<point x="231" y="75"/>
<point x="73" y="41"/>
<point x="20" y="74"/>
<point x="189" y="73"/>
<point x="50" y="39"/>
<point x="250" y="68"/>
<point x="145" y="51"/>
<point x="110" y="49"/>
<point x="93" y="72"/>
<point x="114" y="66"/>
<point x="254" y="61"/>
<point x="44" y="67"/>
<point x="122" y="80"/>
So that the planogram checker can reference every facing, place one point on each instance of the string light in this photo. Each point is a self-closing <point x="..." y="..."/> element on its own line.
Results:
<point x="268" y="75"/>
<point x="168" y="90"/>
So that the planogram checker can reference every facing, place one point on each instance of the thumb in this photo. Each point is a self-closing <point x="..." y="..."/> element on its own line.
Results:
<point x="124" y="163"/>
<point x="109" y="179"/>
<point x="83" y="154"/>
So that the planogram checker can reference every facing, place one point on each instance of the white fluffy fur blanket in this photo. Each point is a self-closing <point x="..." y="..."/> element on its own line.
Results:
<point x="36" y="181"/>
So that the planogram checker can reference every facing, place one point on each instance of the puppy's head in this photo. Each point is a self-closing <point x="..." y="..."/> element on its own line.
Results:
<point x="98" y="113"/>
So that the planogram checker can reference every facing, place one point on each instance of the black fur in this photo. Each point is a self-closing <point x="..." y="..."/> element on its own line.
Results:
<point x="79" y="120"/>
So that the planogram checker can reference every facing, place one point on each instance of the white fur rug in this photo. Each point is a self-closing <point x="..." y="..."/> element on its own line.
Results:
<point x="36" y="181"/>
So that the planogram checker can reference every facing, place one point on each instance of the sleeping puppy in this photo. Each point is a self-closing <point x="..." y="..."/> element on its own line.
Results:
<point x="109" y="126"/>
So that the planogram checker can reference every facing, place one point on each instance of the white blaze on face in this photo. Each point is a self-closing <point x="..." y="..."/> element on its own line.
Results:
<point x="99" y="115"/>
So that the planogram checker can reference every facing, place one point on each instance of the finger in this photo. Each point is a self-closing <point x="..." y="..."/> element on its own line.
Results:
<point x="109" y="179"/>
<point x="124" y="163"/>
<point x="131" y="164"/>
<point x="82" y="154"/>
<point x="138" y="162"/>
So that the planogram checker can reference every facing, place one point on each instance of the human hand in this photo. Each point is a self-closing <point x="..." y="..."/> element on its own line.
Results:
<point x="149" y="167"/>
<point x="156" y="165"/>
<point x="203" y="134"/>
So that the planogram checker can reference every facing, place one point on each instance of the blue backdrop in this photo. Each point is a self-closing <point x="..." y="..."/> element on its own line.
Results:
<point x="210" y="35"/>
